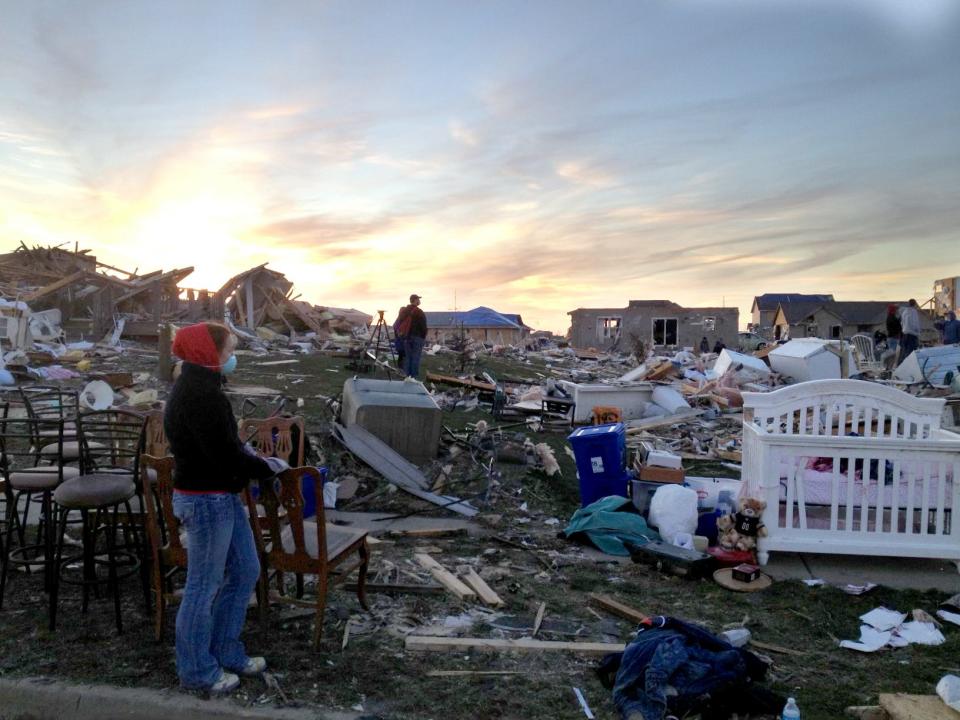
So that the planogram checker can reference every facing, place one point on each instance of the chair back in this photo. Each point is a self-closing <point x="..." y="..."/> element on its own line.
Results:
<point x="282" y="495"/>
<point x="110" y="440"/>
<point x="866" y="353"/>
<point x="155" y="441"/>
<point x="21" y="440"/>
<point x="281" y="437"/>
<point x="163" y="527"/>
<point x="48" y="402"/>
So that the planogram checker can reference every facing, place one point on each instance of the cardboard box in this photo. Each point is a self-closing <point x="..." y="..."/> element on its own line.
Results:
<point x="746" y="573"/>
<point x="650" y="473"/>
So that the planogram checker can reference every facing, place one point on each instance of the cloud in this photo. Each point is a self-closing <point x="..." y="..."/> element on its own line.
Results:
<point x="462" y="134"/>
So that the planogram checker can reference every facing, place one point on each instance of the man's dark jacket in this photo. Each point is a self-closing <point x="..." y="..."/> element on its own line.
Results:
<point x="418" y="322"/>
<point x="203" y="435"/>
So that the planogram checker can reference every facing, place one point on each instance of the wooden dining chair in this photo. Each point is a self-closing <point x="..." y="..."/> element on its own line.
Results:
<point x="292" y="544"/>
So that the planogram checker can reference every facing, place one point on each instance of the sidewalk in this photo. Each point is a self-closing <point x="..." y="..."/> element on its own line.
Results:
<point x="898" y="573"/>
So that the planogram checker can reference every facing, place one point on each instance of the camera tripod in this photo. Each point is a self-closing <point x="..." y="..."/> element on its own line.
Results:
<point x="369" y="355"/>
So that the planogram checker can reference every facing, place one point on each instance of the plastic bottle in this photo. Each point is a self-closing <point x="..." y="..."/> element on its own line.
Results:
<point x="790" y="710"/>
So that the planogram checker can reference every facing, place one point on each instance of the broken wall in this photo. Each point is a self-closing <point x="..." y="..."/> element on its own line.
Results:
<point x="656" y="323"/>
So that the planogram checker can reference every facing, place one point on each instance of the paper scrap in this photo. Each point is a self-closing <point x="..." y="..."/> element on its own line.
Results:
<point x="813" y="582"/>
<point x="859" y="589"/>
<point x="871" y="640"/>
<point x="949" y="616"/>
<point x="882" y="618"/>
<point x="921" y="633"/>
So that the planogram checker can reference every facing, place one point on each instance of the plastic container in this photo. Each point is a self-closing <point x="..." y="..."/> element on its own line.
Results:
<point x="601" y="457"/>
<point x="641" y="492"/>
<point x="738" y="637"/>
<point x="790" y="710"/>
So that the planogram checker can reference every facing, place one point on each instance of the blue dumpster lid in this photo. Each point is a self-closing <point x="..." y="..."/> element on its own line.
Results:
<point x="596" y="430"/>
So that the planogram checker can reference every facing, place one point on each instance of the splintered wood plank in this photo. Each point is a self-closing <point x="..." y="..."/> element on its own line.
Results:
<point x="445" y="644"/>
<point x="617" y="608"/>
<point x="538" y="621"/>
<point x="445" y="577"/>
<point x="479" y="585"/>
<point x="916" y="707"/>
<point x="460" y="382"/>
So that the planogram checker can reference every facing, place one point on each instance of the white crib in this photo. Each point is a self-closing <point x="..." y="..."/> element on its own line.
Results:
<point x="890" y="490"/>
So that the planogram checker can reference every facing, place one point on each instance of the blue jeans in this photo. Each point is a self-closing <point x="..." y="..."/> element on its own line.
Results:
<point x="412" y="349"/>
<point x="222" y="572"/>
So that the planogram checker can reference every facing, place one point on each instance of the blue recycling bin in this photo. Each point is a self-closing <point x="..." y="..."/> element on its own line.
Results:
<point x="601" y="457"/>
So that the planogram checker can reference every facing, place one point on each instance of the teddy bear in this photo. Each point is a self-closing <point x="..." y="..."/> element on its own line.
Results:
<point x="748" y="524"/>
<point x="727" y="536"/>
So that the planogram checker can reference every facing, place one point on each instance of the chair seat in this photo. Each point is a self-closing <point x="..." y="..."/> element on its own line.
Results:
<point x="42" y="477"/>
<point x="339" y="538"/>
<point x="71" y="449"/>
<point x="94" y="491"/>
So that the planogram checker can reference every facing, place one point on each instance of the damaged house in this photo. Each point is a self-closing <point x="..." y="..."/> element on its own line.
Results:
<point x="837" y="320"/>
<point x="481" y="324"/>
<point x="658" y="323"/>
<point x="765" y="307"/>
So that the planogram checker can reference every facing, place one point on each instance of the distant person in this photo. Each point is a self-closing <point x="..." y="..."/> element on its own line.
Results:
<point x="719" y="347"/>
<point x="398" y="338"/>
<point x="413" y="328"/>
<point x="894" y="333"/>
<point x="910" y="324"/>
<point x="951" y="329"/>
<point x="704" y="346"/>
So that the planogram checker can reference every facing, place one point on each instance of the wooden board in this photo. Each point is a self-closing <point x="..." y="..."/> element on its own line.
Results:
<point x="461" y="382"/>
<point x="445" y="577"/>
<point x="388" y="588"/>
<point x="916" y="707"/>
<point x="445" y="644"/>
<point x="617" y="608"/>
<point x="479" y="585"/>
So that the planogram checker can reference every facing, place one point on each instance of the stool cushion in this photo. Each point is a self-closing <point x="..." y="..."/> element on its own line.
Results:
<point x="93" y="491"/>
<point x="42" y="477"/>
<point x="71" y="449"/>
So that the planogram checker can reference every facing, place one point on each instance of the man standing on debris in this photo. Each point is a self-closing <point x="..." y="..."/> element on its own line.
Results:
<point x="398" y="339"/>
<point x="212" y="468"/>
<point x="910" y="324"/>
<point x="719" y="346"/>
<point x="894" y="331"/>
<point x="951" y="329"/>
<point x="704" y="346"/>
<point x="413" y="330"/>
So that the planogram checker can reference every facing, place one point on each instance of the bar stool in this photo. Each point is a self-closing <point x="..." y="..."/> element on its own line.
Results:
<point x="24" y="477"/>
<point x="109" y="443"/>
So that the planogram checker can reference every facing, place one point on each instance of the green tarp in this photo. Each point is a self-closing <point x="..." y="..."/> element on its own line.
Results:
<point x="607" y="523"/>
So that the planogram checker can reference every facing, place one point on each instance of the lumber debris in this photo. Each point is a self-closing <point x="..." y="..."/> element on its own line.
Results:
<point x="445" y="577"/>
<point x="538" y="621"/>
<point x="445" y="644"/>
<point x="617" y="608"/>
<point x="479" y="585"/>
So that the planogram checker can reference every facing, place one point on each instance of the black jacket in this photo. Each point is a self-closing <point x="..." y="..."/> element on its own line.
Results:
<point x="418" y="322"/>
<point x="894" y="328"/>
<point x="203" y="436"/>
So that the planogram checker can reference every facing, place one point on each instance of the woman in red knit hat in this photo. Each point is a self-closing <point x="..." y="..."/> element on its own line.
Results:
<point x="212" y="469"/>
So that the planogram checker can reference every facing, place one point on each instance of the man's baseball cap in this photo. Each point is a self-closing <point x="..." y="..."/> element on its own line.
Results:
<point x="414" y="297"/>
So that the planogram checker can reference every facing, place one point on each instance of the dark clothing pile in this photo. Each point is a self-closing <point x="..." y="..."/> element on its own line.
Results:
<point x="678" y="668"/>
<point x="203" y="435"/>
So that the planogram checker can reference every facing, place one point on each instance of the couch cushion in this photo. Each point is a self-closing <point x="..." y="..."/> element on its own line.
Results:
<point x="42" y="477"/>
<point x="92" y="491"/>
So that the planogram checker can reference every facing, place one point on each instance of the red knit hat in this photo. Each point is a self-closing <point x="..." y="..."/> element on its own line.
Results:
<point x="194" y="344"/>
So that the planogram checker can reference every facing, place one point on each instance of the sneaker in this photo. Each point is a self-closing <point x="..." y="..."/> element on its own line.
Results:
<point x="255" y="666"/>
<point x="227" y="683"/>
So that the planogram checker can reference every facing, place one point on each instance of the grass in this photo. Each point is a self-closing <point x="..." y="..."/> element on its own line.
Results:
<point x="376" y="673"/>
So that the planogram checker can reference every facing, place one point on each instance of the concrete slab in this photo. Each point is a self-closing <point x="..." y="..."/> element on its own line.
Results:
<point x="46" y="699"/>
<point x="838" y="570"/>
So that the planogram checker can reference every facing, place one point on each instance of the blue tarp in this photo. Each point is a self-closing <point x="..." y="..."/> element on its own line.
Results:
<point x="479" y="317"/>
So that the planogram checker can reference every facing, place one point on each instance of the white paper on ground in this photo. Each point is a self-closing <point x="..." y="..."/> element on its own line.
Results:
<point x="813" y="582"/>
<point x="921" y="633"/>
<point x="883" y="618"/>
<point x="871" y="640"/>
<point x="949" y="616"/>
<point x="859" y="589"/>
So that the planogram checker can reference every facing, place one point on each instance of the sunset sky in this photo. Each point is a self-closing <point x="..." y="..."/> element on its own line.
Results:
<point x="530" y="156"/>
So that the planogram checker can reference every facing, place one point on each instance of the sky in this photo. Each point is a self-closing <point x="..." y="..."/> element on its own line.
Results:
<point x="533" y="156"/>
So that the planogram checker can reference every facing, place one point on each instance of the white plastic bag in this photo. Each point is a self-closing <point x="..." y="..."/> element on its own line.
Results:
<point x="674" y="510"/>
<point x="949" y="691"/>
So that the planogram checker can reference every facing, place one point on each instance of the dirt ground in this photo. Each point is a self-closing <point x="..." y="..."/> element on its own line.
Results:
<point x="376" y="676"/>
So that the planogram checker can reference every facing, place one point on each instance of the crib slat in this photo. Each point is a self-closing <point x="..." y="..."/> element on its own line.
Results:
<point x="835" y="494"/>
<point x="801" y="479"/>
<point x="941" y="495"/>
<point x="803" y="419"/>
<point x="867" y="414"/>
<point x="911" y="485"/>
<point x="925" y="500"/>
<point x="895" y="487"/>
<point x="881" y="486"/>
<point x="791" y="484"/>
<point x="851" y="486"/>
<point x="817" y="419"/>
<point x="865" y="495"/>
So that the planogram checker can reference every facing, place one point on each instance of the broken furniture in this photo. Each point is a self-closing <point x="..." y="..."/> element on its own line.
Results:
<point x="929" y="365"/>
<point x="866" y="355"/>
<point x="852" y="467"/>
<point x="812" y="359"/>
<point x="401" y="414"/>
<point x="167" y="552"/>
<point x="306" y="547"/>
<point x="565" y="408"/>
<point x="632" y="399"/>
